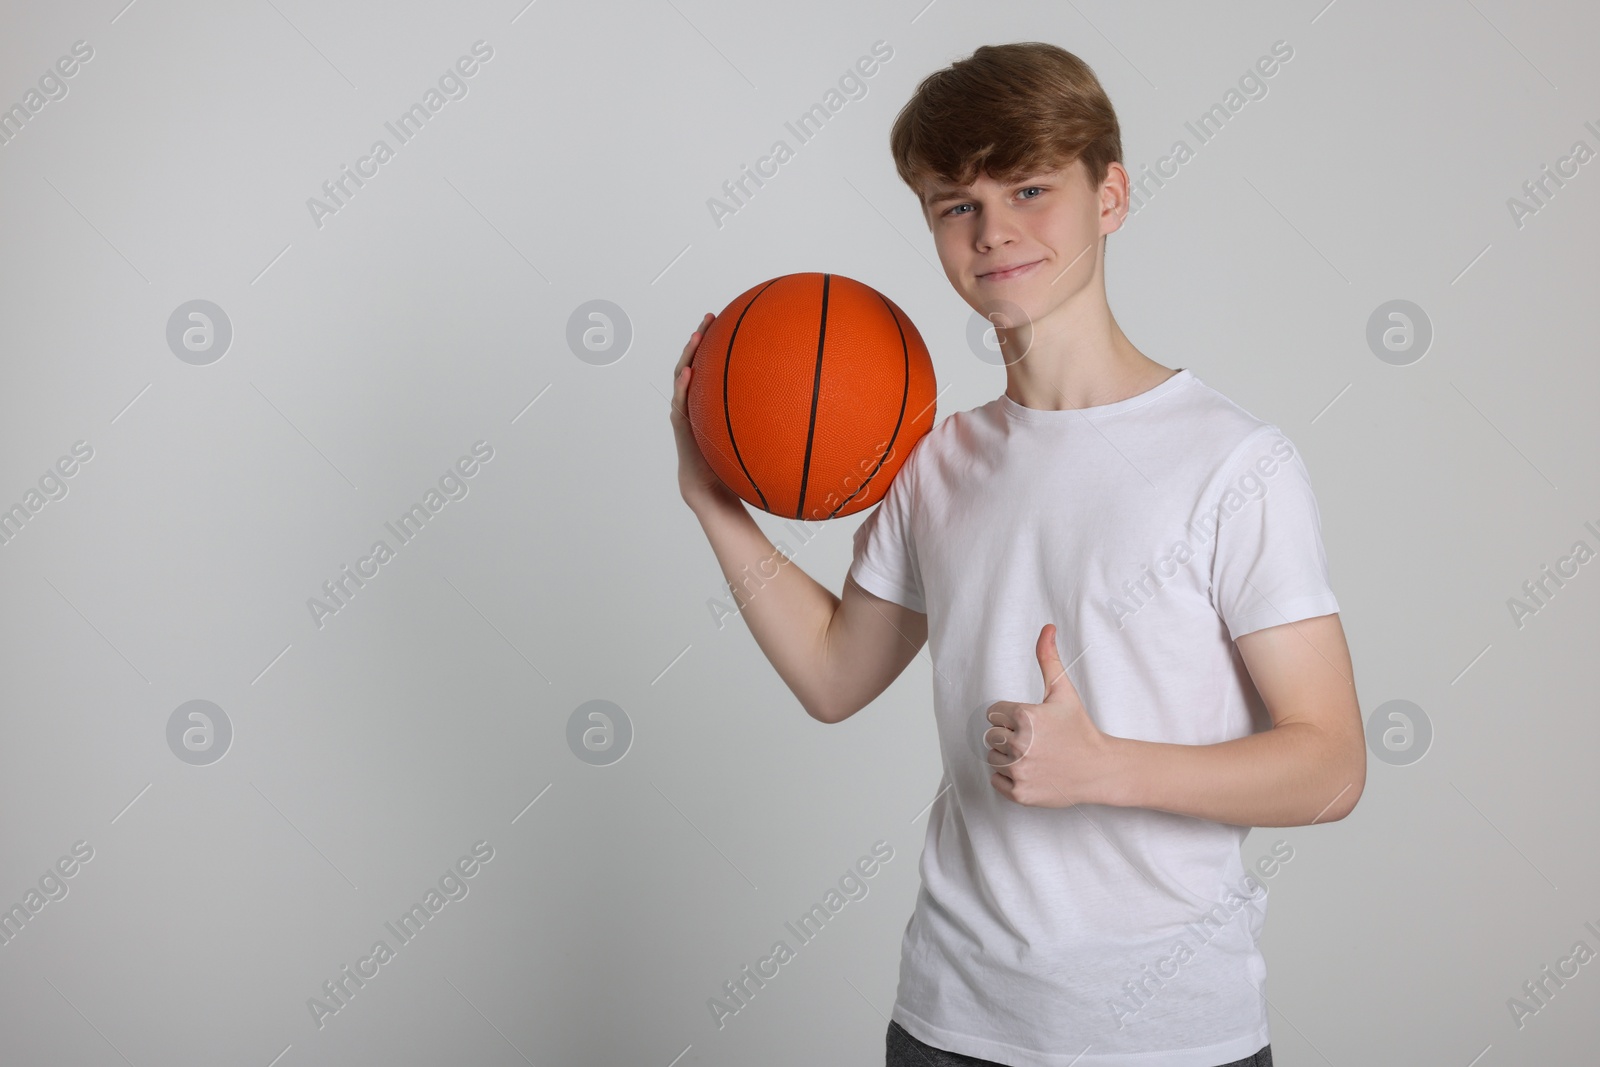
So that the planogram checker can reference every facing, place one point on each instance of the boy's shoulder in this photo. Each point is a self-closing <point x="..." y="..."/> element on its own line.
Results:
<point x="1193" y="417"/>
<point x="1209" y="417"/>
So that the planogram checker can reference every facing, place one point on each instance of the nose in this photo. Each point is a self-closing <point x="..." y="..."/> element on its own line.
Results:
<point x="998" y="230"/>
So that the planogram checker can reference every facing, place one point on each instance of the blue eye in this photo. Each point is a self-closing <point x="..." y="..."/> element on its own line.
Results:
<point x="1030" y="188"/>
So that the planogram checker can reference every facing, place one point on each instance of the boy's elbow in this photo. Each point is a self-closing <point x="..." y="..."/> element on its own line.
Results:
<point x="821" y="716"/>
<point x="830" y="715"/>
<point x="1341" y="810"/>
<point x="1353" y="783"/>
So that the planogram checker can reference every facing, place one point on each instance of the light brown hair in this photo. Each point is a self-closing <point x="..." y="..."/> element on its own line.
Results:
<point x="1007" y="110"/>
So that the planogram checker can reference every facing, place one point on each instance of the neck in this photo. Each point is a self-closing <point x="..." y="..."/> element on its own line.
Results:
<point x="1076" y="356"/>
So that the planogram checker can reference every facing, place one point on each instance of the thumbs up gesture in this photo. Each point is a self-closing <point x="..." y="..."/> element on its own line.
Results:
<point x="1050" y="754"/>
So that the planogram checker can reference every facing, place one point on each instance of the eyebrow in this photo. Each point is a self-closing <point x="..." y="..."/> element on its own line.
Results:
<point x="963" y="191"/>
<point x="952" y="194"/>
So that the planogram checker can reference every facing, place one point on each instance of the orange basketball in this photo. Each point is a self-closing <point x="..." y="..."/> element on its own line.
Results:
<point x="808" y="393"/>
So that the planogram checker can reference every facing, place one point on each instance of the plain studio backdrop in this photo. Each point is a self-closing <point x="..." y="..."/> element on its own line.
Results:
<point x="223" y="383"/>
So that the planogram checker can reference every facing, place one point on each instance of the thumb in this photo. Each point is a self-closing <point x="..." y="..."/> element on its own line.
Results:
<point x="1055" y="675"/>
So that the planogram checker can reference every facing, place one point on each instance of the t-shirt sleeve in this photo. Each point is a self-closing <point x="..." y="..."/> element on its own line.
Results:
<point x="885" y="558"/>
<point x="1270" y="567"/>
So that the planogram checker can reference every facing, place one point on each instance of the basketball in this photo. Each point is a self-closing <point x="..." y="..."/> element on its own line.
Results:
<point x="808" y="392"/>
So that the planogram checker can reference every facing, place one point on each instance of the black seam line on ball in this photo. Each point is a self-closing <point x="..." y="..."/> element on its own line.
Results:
<point x="727" y="368"/>
<point x="905" y="393"/>
<point x="816" y="390"/>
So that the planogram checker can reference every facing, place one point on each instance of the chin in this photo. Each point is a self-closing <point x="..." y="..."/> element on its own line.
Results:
<point x="1006" y="310"/>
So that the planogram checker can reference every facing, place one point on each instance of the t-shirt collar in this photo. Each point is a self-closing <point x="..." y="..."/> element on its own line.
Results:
<point x="1022" y="413"/>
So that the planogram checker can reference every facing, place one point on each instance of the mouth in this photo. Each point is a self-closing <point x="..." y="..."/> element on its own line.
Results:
<point x="1013" y="272"/>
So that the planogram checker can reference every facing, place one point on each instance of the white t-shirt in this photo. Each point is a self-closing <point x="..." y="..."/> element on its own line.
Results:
<point x="1152" y="531"/>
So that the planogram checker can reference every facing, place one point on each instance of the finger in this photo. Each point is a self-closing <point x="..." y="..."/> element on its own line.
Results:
<point x="1019" y="733"/>
<point x="680" y="399"/>
<point x="705" y="324"/>
<point x="1003" y="756"/>
<point x="687" y="354"/>
<point x="1002" y="740"/>
<point x="1055" y="675"/>
<point x="688" y="349"/>
<point x="680" y="379"/>
<point x="1003" y="714"/>
<point x="1004" y="721"/>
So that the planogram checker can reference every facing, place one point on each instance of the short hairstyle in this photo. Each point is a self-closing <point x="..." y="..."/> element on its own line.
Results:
<point x="1007" y="110"/>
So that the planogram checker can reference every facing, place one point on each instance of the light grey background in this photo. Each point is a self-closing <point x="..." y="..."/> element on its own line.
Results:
<point x="432" y="712"/>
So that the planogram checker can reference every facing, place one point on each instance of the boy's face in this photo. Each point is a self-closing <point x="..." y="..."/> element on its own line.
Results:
<point x="1049" y="224"/>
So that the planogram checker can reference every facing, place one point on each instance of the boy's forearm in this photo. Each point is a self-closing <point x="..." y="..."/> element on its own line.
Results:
<point x="787" y="610"/>
<point x="1294" y="774"/>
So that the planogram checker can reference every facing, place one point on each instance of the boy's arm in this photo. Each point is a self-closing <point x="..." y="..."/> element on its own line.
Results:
<point x="869" y="643"/>
<point x="835" y="654"/>
<point x="1309" y="768"/>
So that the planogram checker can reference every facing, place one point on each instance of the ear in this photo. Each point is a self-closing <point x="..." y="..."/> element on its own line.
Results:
<point x="1113" y="198"/>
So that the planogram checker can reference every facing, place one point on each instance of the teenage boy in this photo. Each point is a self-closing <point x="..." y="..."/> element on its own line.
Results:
<point x="1083" y="898"/>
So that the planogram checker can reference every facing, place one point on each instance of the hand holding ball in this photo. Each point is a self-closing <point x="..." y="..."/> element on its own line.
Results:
<point x="807" y="393"/>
